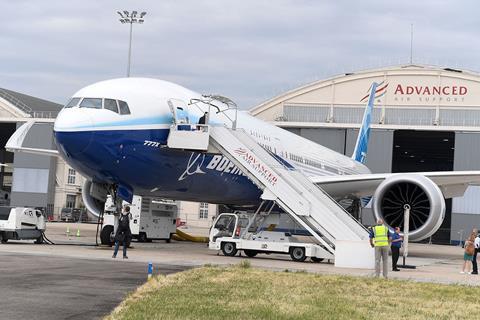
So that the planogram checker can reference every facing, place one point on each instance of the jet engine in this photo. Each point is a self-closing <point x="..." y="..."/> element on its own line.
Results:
<point x="94" y="196"/>
<point x="426" y="201"/>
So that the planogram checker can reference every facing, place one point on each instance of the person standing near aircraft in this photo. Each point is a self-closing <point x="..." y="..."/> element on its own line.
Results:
<point x="379" y="239"/>
<point x="123" y="232"/>
<point x="203" y="119"/>
<point x="477" y="246"/>
<point x="395" y="246"/>
<point x="468" y="253"/>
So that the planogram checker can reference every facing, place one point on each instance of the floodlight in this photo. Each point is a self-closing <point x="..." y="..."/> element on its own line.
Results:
<point x="126" y="17"/>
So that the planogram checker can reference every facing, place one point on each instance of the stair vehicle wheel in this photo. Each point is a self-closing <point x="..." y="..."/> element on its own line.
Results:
<point x="105" y="235"/>
<point x="142" y="237"/>
<point x="298" y="254"/>
<point x="39" y="240"/>
<point x="315" y="259"/>
<point x="229" y="249"/>
<point x="250" y="253"/>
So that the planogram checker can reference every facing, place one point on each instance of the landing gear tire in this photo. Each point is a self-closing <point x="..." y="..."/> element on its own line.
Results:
<point x="229" y="249"/>
<point x="142" y="237"/>
<point x="39" y="240"/>
<point x="298" y="254"/>
<point x="316" y="260"/>
<point x="105" y="235"/>
<point x="250" y="253"/>
<point x="3" y="239"/>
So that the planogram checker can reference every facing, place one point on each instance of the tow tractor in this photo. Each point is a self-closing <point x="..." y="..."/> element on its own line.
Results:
<point x="152" y="219"/>
<point x="20" y="223"/>
<point x="232" y="232"/>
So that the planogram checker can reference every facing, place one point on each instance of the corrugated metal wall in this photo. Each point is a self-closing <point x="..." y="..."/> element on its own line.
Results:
<point x="379" y="156"/>
<point x="466" y="209"/>
<point x="331" y="138"/>
<point x="34" y="175"/>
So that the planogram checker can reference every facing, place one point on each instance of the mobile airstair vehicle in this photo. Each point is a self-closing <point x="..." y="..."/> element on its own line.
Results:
<point x="18" y="223"/>
<point x="335" y="231"/>
<point x="236" y="231"/>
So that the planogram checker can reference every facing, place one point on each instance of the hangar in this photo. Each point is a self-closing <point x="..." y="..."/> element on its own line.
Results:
<point x="426" y="118"/>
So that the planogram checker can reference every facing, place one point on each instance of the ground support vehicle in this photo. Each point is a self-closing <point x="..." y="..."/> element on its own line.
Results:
<point x="19" y="223"/>
<point x="152" y="219"/>
<point x="234" y="232"/>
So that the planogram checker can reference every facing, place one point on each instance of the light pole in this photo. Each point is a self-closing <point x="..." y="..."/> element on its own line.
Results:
<point x="131" y="18"/>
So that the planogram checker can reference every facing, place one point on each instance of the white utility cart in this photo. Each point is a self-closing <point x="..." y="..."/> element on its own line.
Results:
<point x="18" y="223"/>
<point x="152" y="219"/>
<point x="229" y="234"/>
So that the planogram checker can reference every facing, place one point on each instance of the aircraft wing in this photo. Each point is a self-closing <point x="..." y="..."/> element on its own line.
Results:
<point x="15" y="143"/>
<point x="452" y="183"/>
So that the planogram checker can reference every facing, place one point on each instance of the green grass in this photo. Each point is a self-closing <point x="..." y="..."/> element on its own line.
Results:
<point x="247" y="293"/>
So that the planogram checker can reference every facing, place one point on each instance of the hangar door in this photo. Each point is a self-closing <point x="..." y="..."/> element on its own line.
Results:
<point x="423" y="151"/>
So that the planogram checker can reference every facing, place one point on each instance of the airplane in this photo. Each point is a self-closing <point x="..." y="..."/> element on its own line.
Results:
<point x="115" y="133"/>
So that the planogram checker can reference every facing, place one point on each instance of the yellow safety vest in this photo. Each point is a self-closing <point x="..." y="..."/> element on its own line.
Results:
<point x="380" y="234"/>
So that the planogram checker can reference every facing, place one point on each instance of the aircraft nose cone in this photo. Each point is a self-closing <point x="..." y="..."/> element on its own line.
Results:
<point x="73" y="131"/>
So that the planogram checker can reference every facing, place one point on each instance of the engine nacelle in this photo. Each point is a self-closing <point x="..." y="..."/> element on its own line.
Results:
<point x="93" y="202"/>
<point x="422" y="194"/>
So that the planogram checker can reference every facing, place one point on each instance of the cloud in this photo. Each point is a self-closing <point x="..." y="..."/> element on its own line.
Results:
<point x="248" y="50"/>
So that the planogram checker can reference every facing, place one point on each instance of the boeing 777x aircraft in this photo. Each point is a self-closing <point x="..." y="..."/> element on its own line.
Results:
<point x="115" y="133"/>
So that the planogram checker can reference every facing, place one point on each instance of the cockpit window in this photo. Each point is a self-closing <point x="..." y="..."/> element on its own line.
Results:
<point x="94" y="103"/>
<point x="111" y="105"/>
<point x="123" y="107"/>
<point x="72" y="103"/>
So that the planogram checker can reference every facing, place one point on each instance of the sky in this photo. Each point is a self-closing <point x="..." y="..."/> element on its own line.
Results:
<point x="249" y="50"/>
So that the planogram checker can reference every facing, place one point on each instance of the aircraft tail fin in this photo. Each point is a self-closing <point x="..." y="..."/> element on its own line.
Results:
<point x="360" y="151"/>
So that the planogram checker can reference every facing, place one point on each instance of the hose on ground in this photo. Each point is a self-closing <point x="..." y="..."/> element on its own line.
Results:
<point x="45" y="239"/>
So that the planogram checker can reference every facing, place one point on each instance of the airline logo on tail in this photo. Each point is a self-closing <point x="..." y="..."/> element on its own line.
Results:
<point x="360" y="151"/>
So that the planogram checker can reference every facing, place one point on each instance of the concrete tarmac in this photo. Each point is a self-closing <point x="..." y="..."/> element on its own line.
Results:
<point x="75" y="279"/>
<point x="52" y="287"/>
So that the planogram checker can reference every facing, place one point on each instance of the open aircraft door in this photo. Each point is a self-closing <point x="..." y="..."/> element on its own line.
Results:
<point x="183" y="134"/>
<point x="179" y="110"/>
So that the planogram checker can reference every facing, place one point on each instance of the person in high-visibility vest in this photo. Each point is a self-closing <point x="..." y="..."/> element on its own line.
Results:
<point x="380" y="240"/>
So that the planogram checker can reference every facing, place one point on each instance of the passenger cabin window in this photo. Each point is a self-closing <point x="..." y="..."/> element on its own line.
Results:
<point x="123" y="107"/>
<point x="72" y="103"/>
<point x="94" y="103"/>
<point x="111" y="105"/>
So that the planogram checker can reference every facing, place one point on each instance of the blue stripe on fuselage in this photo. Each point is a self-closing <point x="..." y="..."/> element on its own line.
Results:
<point x="124" y="157"/>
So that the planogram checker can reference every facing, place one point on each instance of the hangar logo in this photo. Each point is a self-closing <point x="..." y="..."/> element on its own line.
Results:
<point x="380" y="92"/>
<point x="431" y="90"/>
<point x="424" y="93"/>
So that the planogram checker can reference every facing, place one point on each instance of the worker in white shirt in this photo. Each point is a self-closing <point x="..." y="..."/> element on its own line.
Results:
<point x="477" y="247"/>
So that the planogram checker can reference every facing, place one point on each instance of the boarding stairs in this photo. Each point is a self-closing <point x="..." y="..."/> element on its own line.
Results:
<point x="304" y="201"/>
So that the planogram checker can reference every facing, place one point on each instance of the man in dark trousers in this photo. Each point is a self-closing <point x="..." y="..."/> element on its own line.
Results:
<point x="123" y="234"/>
<point x="395" y="246"/>
<point x="477" y="247"/>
